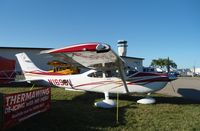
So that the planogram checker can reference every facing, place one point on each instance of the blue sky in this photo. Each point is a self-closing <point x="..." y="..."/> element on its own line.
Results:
<point x="153" y="28"/>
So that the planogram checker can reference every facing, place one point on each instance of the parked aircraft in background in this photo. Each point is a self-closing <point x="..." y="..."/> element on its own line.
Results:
<point x="107" y="73"/>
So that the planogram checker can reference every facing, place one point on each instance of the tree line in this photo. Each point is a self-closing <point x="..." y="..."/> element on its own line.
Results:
<point x="163" y="62"/>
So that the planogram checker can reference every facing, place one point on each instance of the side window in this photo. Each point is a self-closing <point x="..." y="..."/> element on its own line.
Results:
<point x="97" y="74"/>
<point x="108" y="74"/>
<point x="112" y="73"/>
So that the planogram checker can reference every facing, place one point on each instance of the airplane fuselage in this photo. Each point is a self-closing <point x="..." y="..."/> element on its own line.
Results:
<point x="137" y="83"/>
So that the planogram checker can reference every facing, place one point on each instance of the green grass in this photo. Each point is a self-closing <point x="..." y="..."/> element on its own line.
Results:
<point x="76" y="111"/>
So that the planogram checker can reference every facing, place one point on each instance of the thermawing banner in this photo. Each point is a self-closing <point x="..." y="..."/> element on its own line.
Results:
<point x="20" y="106"/>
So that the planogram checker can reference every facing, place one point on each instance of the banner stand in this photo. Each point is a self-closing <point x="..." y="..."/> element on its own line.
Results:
<point x="1" y="106"/>
<point x="18" y="107"/>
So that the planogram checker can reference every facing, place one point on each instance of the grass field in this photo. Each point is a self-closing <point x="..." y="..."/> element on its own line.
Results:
<point x="76" y="111"/>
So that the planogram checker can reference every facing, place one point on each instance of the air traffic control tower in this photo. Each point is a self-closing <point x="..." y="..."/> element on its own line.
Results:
<point x="122" y="47"/>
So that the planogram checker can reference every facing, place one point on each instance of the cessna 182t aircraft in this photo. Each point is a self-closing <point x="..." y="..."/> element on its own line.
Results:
<point x="107" y="73"/>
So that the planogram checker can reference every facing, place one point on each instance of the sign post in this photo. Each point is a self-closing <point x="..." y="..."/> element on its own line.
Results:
<point x="1" y="110"/>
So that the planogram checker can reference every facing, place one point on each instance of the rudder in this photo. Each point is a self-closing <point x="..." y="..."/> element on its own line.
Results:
<point x="25" y="63"/>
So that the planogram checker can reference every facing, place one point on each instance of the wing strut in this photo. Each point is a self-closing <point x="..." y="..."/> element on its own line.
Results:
<point x="121" y="72"/>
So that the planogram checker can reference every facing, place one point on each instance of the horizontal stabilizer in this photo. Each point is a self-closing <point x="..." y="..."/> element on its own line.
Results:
<point x="36" y="81"/>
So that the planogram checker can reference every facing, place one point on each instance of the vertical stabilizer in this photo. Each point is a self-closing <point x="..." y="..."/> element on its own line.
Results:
<point x="25" y="62"/>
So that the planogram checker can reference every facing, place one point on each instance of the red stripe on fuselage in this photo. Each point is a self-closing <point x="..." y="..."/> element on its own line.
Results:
<point x="93" y="83"/>
<point x="141" y="74"/>
<point x="151" y="80"/>
<point x="160" y="79"/>
<point x="44" y="73"/>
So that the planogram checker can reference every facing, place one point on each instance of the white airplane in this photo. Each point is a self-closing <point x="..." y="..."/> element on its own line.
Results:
<point x="108" y="73"/>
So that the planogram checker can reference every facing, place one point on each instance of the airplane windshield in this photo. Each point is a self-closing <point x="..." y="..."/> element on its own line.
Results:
<point x="131" y="72"/>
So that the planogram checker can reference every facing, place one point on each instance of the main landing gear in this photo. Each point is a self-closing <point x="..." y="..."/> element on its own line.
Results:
<point x="147" y="100"/>
<point x="106" y="103"/>
<point x="109" y="103"/>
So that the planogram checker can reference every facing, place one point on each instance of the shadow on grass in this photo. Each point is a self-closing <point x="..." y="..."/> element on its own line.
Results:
<point x="175" y="100"/>
<point x="161" y="99"/>
<point x="76" y="114"/>
<point x="80" y="113"/>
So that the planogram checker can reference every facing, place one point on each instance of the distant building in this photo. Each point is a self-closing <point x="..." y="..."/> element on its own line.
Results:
<point x="33" y="53"/>
<point x="122" y="47"/>
<point x="196" y="71"/>
<point x="185" y="72"/>
<point x="134" y="62"/>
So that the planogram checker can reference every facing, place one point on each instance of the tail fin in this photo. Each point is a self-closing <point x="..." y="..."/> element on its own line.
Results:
<point x="25" y="62"/>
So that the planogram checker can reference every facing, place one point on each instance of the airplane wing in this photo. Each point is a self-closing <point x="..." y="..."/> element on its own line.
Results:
<point x="92" y="55"/>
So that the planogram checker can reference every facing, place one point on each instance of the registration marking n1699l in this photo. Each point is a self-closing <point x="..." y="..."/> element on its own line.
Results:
<point x="61" y="82"/>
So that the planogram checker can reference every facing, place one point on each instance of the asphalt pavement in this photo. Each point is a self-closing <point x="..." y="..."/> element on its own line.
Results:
<point x="187" y="87"/>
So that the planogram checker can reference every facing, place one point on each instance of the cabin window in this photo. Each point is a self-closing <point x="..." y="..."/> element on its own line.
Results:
<point x="98" y="74"/>
<point x="112" y="73"/>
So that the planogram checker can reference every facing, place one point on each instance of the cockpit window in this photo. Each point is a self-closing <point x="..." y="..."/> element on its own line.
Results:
<point x="98" y="74"/>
